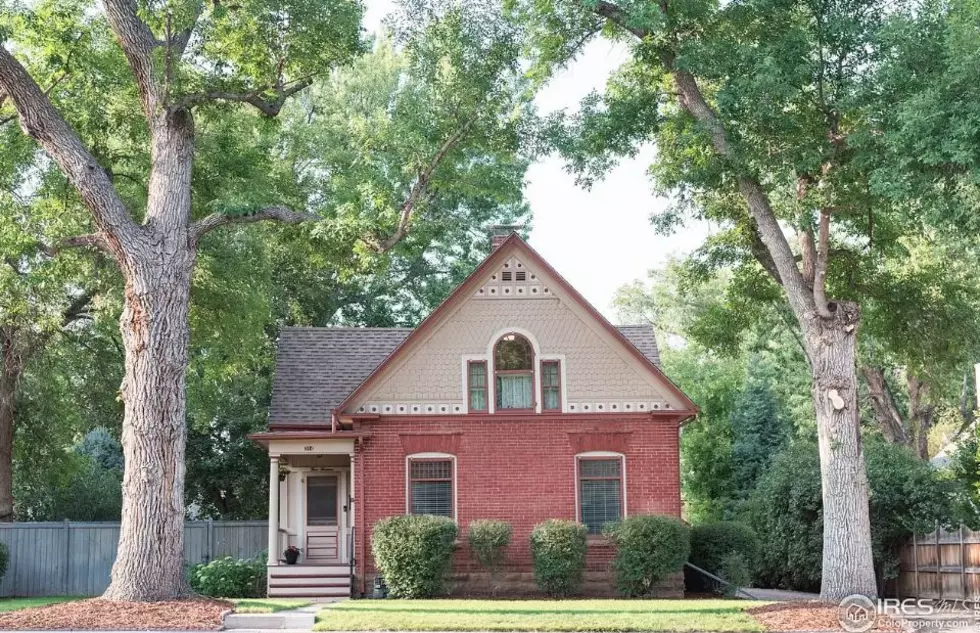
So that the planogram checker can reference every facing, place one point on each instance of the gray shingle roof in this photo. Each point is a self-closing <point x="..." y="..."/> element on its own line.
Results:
<point x="317" y="368"/>
<point x="642" y="337"/>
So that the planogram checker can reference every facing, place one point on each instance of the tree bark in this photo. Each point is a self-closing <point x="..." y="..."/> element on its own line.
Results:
<point x="847" y="562"/>
<point x="11" y="368"/>
<point x="922" y="416"/>
<point x="155" y="332"/>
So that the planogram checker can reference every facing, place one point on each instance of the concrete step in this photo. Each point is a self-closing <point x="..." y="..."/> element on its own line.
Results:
<point x="298" y="570"/>
<point x="309" y="591"/>
<point x="309" y="581"/>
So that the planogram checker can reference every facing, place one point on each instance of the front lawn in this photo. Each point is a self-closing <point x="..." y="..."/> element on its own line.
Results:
<point x="16" y="604"/>
<point x="268" y="605"/>
<point x="538" y="615"/>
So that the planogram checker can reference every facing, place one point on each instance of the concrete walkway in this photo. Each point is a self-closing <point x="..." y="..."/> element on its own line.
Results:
<point x="300" y="619"/>
<point x="780" y="595"/>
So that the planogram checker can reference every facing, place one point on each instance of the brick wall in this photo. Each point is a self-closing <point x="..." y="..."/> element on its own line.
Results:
<point x="518" y="469"/>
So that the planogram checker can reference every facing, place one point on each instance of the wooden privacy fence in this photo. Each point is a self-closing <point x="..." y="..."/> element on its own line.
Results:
<point x="68" y="558"/>
<point x="944" y="564"/>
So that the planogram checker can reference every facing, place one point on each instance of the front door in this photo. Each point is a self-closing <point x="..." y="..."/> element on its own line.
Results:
<point x="322" y="517"/>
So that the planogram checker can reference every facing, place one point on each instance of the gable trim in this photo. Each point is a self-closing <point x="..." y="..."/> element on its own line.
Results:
<point x="465" y="291"/>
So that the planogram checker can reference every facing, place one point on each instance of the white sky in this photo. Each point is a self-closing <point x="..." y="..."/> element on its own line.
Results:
<point x="598" y="239"/>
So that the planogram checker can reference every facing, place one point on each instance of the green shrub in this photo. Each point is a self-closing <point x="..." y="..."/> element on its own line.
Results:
<point x="414" y="553"/>
<point x="558" y="555"/>
<point x="907" y="495"/>
<point x="488" y="541"/>
<point x="735" y="570"/>
<point x="648" y="548"/>
<point x="230" y="578"/>
<point x="711" y="543"/>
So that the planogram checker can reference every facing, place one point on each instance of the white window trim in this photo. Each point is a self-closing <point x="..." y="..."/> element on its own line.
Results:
<point x="622" y="474"/>
<point x="562" y="372"/>
<point x="408" y="479"/>
<point x="480" y="358"/>
<point x="492" y="368"/>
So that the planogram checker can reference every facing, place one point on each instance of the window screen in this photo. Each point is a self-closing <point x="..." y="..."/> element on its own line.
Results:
<point x="321" y="500"/>
<point x="431" y="483"/>
<point x="600" y="492"/>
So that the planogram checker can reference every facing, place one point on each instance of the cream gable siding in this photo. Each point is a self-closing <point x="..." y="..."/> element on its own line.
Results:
<point x="597" y="374"/>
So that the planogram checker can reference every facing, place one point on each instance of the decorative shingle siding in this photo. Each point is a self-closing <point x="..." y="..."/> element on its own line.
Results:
<point x="594" y="372"/>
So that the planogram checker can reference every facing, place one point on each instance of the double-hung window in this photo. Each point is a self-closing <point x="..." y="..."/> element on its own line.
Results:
<point x="477" y="385"/>
<point x="550" y="385"/>
<point x="430" y="486"/>
<point x="600" y="482"/>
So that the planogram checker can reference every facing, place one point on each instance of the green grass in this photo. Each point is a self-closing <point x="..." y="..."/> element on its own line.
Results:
<point x="538" y="615"/>
<point x="268" y="605"/>
<point x="16" y="604"/>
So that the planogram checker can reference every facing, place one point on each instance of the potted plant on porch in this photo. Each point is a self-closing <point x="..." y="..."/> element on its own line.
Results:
<point x="291" y="554"/>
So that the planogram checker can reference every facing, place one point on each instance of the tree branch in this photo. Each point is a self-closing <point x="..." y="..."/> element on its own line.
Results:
<point x="274" y="213"/>
<point x="268" y="107"/>
<point x="820" y="266"/>
<point x="419" y="190"/>
<point x="92" y="240"/>
<point x="692" y="100"/>
<point x="42" y="122"/>
<point x="137" y="42"/>
<point x="889" y="418"/>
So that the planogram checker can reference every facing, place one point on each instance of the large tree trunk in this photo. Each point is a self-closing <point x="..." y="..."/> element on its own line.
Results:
<point x="922" y="416"/>
<point x="847" y="561"/>
<point x="155" y="330"/>
<point x="11" y="367"/>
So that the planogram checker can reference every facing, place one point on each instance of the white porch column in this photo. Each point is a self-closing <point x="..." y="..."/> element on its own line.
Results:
<point x="299" y="485"/>
<point x="273" y="510"/>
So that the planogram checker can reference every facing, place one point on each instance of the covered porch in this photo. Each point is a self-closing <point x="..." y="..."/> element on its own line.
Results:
<point x="312" y="491"/>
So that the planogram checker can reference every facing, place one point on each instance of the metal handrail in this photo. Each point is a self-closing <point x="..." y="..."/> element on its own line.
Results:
<point x="738" y="590"/>
<point x="350" y="558"/>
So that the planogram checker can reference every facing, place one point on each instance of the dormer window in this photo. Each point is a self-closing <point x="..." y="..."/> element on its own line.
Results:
<point x="513" y="364"/>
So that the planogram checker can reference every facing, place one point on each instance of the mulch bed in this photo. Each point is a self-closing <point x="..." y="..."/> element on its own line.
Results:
<point x="100" y="615"/>
<point x="809" y="616"/>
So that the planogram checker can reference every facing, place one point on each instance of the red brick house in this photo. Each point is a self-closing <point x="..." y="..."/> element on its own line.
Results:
<point x="513" y="400"/>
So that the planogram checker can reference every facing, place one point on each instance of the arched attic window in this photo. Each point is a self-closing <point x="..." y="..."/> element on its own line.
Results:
<point x="513" y="366"/>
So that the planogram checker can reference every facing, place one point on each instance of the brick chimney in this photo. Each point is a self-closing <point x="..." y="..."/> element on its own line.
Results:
<point x="500" y="232"/>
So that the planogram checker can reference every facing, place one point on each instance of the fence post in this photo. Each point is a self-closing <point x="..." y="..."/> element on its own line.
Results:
<point x="67" y="576"/>
<point x="939" y="561"/>
<point x="915" y="565"/>
<point x="209" y="552"/>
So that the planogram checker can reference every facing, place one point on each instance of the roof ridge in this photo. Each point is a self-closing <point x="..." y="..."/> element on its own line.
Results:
<point x="344" y="328"/>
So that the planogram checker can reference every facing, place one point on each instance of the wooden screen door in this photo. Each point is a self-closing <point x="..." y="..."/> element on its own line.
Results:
<point x="323" y="514"/>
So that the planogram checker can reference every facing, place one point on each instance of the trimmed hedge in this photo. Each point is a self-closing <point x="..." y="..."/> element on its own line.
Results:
<point x="649" y="547"/>
<point x="414" y="553"/>
<point x="488" y="539"/>
<point x="712" y="543"/>
<point x="558" y="555"/>
<point x="230" y="578"/>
